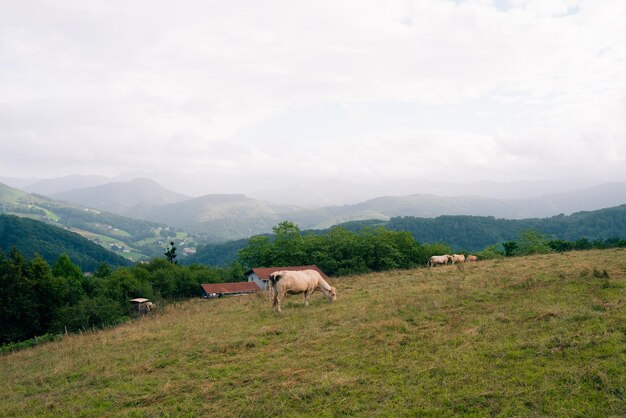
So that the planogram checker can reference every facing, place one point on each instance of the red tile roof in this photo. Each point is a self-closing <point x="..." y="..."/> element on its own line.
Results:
<point x="264" y="272"/>
<point x="226" y="288"/>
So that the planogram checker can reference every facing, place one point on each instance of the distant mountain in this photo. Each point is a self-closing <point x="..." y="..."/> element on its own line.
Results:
<point x="222" y="217"/>
<point x="430" y="206"/>
<point x="18" y="183"/>
<point x="132" y="198"/>
<point x="226" y="217"/>
<point x="52" y="186"/>
<point x="591" y="198"/>
<point x="384" y="208"/>
<point x="233" y="216"/>
<point x="32" y="237"/>
<point x="317" y="194"/>
<point x="338" y="192"/>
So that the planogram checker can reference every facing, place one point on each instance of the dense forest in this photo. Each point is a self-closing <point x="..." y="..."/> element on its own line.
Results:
<point x="38" y="298"/>
<point x="473" y="233"/>
<point x="32" y="237"/>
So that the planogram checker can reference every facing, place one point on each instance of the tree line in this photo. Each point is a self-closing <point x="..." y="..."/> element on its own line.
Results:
<point x="531" y="241"/>
<point x="38" y="298"/>
<point x="339" y="251"/>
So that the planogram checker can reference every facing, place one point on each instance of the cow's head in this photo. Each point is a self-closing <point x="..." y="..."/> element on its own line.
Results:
<point x="331" y="294"/>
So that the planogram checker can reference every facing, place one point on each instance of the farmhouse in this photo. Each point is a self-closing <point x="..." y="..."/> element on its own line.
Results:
<point x="261" y="275"/>
<point x="217" y="290"/>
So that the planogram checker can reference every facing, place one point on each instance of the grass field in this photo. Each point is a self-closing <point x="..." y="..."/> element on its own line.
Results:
<point x="533" y="336"/>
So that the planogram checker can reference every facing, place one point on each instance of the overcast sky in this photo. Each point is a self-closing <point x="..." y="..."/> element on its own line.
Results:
<point x="236" y="95"/>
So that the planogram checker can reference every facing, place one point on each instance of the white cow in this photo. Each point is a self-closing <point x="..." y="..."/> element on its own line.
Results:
<point x="457" y="258"/>
<point x="303" y="281"/>
<point x="439" y="259"/>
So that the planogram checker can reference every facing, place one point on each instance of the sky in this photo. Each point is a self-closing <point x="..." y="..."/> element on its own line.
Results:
<point x="215" y="96"/>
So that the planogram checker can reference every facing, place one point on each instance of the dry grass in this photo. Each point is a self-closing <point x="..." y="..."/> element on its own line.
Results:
<point x="533" y="336"/>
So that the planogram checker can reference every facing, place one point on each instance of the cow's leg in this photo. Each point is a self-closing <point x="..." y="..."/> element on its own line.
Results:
<point x="279" y="299"/>
<point x="307" y="295"/>
<point x="275" y="302"/>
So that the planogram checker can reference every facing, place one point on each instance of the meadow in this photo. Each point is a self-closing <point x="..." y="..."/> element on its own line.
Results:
<point x="541" y="335"/>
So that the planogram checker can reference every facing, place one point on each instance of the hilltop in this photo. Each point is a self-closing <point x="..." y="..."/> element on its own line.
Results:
<point x="523" y="336"/>
<point x="130" y="198"/>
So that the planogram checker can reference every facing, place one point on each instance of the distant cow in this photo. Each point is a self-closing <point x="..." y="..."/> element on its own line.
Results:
<point x="304" y="281"/>
<point x="471" y="259"/>
<point x="436" y="260"/>
<point x="150" y="306"/>
<point x="457" y="258"/>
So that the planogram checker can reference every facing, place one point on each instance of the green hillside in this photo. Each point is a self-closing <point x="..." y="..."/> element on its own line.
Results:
<point x="32" y="237"/>
<point x="524" y="336"/>
<point x="131" y="238"/>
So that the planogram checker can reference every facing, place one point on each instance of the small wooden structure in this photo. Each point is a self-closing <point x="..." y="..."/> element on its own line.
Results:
<point x="142" y="305"/>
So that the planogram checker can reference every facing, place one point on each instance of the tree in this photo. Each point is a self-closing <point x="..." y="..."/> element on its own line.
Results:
<point x="19" y="317"/>
<point x="75" y="286"/>
<point x="288" y="245"/>
<point x="531" y="241"/>
<point x="258" y="253"/>
<point x="170" y="253"/>
<point x="509" y="248"/>
<point x="103" y="270"/>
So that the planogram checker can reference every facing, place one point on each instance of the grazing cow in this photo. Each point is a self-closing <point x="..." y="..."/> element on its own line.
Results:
<point x="150" y="306"/>
<point x="457" y="258"/>
<point x="303" y="281"/>
<point x="471" y="259"/>
<point x="439" y="259"/>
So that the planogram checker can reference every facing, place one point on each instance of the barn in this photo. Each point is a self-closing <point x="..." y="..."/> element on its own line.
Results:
<point x="261" y="275"/>
<point x="217" y="290"/>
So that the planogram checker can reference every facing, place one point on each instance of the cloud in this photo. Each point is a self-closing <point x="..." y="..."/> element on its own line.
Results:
<point x="246" y="90"/>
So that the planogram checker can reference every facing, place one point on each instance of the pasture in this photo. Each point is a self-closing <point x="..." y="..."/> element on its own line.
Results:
<point x="530" y="336"/>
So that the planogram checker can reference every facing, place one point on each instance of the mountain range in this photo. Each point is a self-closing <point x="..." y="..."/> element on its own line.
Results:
<point x="222" y="217"/>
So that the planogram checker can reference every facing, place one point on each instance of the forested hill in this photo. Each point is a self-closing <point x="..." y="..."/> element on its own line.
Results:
<point x="469" y="233"/>
<point x="34" y="237"/>
<point x="474" y="233"/>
